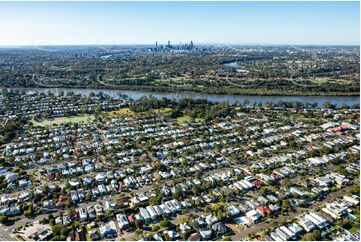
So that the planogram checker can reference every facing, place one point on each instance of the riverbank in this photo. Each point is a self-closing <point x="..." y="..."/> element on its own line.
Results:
<point x="205" y="90"/>
<point x="235" y="91"/>
<point x="231" y="99"/>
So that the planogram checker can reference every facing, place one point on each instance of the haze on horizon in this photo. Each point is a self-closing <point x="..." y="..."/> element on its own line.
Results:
<point x="80" y="23"/>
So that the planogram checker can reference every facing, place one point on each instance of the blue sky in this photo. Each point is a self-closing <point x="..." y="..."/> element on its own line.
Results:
<point x="39" y="23"/>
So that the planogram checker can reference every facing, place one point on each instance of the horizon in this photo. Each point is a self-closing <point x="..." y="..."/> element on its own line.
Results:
<point x="205" y="23"/>
<point x="195" y="44"/>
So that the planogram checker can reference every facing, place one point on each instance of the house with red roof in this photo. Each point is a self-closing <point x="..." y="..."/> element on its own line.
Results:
<point x="264" y="210"/>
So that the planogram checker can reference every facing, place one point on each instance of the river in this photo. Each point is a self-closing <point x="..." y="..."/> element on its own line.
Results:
<point x="231" y="64"/>
<point x="338" y="100"/>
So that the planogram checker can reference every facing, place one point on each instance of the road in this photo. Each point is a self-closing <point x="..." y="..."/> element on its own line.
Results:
<point x="4" y="234"/>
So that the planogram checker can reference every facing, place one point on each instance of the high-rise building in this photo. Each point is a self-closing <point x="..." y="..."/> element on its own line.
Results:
<point x="191" y="44"/>
<point x="156" y="46"/>
<point x="168" y="43"/>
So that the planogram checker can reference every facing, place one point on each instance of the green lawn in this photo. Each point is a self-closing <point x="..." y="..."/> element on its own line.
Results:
<point x="76" y="119"/>
<point x="118" y="113"/>
<point x="19" y="237"/>
<point x="187" y="119"/>
<point x="123" y="111"/>
<point x="184" y="119"/>
<point x="127" y="112"/>
<point x="200" y="120"/>
<point x="162" y="110"/>
<point x="354" y="228"/>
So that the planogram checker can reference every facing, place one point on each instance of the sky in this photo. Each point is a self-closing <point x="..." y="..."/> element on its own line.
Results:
<point x="56" y="23"/>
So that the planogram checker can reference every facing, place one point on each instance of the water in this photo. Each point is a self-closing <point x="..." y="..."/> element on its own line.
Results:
<point x="231" y="64"/>
<point x="111" y="55"/>
<point x="338" y="100"/>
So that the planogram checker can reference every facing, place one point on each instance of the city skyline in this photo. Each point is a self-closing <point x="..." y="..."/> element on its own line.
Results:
<point x="248" y="23"/>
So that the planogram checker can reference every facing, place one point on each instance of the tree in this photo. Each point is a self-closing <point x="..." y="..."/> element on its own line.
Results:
<point x="328" y="105"/>
<point x="4" y="219"/>
<point x="313" y="236"/>
<point x="55" y="238"/>
<point x="198" y="175"/>
<point x="264" y="191"/>
<point x="29" y="211"/>
<point x="340" y="169"/>
<point x="138" y="224"/>
<point x="286" y="205"/>
<point x="164" y="223"/>
<point x="184" y="219"/>
<point x="155" y="200"/>
<point x="219" y="214"/>
<point x="177" y="194"/>
<point x="345" y="106"/>
<point x="245" y="102"/>
<point x="59" y="230"/>
<point x="155" y="227"/>
<point x="355" y="189"/>
<point x="70" y="93"/>
<point x="286" y="183"/>
<point x="195" y="190"/>
<point x="251" y="235"/>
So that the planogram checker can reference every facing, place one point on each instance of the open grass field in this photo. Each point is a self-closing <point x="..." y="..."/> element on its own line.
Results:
<point x="77" y="119"/>
<point x="187" y="119"/>
<point x="184" y="119"/>
<point x="172" y="79"/>
<point x="201" y="120"/>
<point x="123" y="112"/>
<point x="324" y="81"/>
<point x="119" y="113"/>
<point x="162" y="110"/>
<point x="127" y="112"/>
